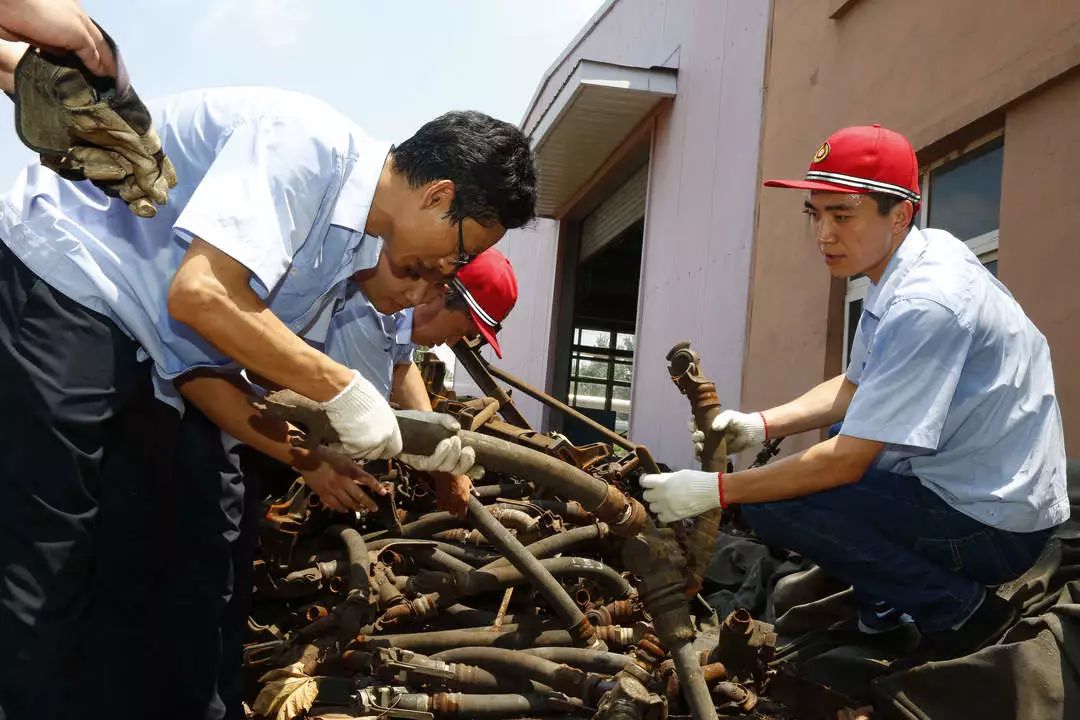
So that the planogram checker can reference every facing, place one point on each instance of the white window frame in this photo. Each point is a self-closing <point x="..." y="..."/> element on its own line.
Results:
<point x="984" y="246"/>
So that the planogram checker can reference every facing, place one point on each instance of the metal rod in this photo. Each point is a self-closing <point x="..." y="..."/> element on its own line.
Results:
<point x="476" y="366"/>
<point x="533" y="570"/>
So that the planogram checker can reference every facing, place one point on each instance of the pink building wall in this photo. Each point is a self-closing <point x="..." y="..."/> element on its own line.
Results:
<point x="700" y="212"/>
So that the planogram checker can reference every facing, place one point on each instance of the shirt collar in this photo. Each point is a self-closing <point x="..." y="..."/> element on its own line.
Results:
<point x="358" y="190"/>
<point x="880" y="294"/>
<point x="404" y="327"/>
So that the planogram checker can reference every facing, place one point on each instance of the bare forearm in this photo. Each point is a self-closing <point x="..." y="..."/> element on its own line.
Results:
<point x="210" y="293"/>
<point x="224" y="399"/>
<point x="820" y="407"/>
<point x="834" y="462"/>
<point x="409" y="390"/>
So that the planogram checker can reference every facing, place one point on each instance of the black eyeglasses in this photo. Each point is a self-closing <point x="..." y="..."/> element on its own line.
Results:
<point x="463" y="258"/>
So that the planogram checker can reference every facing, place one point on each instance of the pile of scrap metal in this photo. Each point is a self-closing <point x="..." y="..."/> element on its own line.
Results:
<point x="557" y="595"/>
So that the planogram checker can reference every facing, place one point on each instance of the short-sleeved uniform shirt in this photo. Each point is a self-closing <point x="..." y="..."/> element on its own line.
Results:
<point x="956" y="380"/>
<point x="359" y="336"/>
<point x="277" y="180"/>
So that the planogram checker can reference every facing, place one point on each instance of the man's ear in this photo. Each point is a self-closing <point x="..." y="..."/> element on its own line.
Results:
<point x="902" y="214"/>
<point x="439" y="193"/>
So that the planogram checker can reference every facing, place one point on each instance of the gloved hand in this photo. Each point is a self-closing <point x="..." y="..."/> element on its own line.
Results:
<point x="366" y="426"/>
<point x="741" y="430"/>
<point x="681" y="494"/>
<point x="91" y="128"/>
<point x="449" y="457"/>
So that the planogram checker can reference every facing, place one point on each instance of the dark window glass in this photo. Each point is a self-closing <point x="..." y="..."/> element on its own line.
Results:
<point x="854" y="312"/>
<point x="965" y="195"/>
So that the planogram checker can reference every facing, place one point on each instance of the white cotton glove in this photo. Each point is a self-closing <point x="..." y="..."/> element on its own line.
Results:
<point x="682" y="494"/>
<point x="741" y="430"/>
<point x="449" y="456"/>
<point x="366" y="426"/>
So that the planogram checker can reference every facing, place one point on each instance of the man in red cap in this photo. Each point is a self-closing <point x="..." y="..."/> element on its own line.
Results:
<point x="948" y="472"/>
<point x="476" y="301"/>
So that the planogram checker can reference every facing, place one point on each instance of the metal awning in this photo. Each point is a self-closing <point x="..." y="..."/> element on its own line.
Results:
<point x="593" y="112"/>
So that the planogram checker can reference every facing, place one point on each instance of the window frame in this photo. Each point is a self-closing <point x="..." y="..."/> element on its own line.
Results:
<point x="611" y="356"/>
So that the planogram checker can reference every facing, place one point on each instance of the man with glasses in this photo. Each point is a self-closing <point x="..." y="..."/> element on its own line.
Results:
<point x="279" y="201"/>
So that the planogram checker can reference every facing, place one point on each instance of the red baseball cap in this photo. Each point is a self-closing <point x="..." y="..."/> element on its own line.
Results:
<point x="862" y="159"/>
<point x="490" y="290"/>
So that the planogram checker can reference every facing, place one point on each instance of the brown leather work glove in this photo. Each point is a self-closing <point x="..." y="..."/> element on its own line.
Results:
<point x="91" y="128"/>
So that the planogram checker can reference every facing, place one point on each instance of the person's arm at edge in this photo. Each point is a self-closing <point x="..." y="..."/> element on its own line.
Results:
<point x="820" y="407"/>
<point x="210" y="293"/>
<point x="224" y="399"/>
<point x="841" y="460"/>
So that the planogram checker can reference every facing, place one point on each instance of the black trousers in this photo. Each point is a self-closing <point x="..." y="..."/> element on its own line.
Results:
<point x="213" y="539"/>
<point x="85" y="467"/>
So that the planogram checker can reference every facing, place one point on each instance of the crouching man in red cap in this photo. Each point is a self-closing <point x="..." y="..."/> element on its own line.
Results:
<point x="948" y="472"/>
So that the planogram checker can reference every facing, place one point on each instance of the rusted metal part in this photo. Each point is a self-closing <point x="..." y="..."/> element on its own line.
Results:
<point x="744" y="646"/>
<point x="656" y="557"/>
<point x="511" y="636"/>
<point x="532" y="569"/>
<point x="583" y="457"/>
<point x="281" y="525"/>
<point x="563" y="678"/>
<point x="503" y="607"/>
<point x="459" y="585"/>
<point x="684" y="366"/>
<point x="555" y="544"/>
<point x="620" y="612"/>
<point x="462" y="535"/>
<point x="623" y="577"/>
<point x="476" y="366"/>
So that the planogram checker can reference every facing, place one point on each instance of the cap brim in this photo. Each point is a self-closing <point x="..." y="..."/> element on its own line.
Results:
<point x="487" y="332"/>
<point x="815" y="185"/>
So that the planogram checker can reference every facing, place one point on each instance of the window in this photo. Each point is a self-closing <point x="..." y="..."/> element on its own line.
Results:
<point x="601" y="370"/>
<point x="961" y="194"/>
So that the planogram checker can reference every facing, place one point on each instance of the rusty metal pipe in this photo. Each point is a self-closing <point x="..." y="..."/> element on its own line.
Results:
<point x="430" y="524"/>
<point x="357" y="553"/>
<point x="461" y="705"/>
<point x="476" y="366"/>
<point x="533" y="570"/>
<point x="511" y="636"/>
<point x="502" y="490"/>
<point x="570" y="680"/>
<point x="468" y="554"/>
<point x="598" y="661"/>
<point x="555" y="544"/>
<point x="422" y="432"/>
<point x="481" y="581"/>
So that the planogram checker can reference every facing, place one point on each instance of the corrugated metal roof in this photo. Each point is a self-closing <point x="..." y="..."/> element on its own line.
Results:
<point x="592" y="113"/>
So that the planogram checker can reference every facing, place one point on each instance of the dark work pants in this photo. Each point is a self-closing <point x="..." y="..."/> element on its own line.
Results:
<point x="85" y="455"/>
<point x="213" y="536"/>
<point x="900" y="544"/>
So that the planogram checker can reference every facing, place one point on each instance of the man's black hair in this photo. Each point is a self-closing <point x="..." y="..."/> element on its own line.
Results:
<point x="886" y="202"/>
<point x="489" y="161"/>
<point x="453" y="300"/>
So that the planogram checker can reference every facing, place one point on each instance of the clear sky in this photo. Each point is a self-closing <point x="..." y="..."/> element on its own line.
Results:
<point x="391" y="65"/>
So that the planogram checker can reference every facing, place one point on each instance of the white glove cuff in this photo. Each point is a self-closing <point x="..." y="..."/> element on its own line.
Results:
<point x="755" y="428"/>
<point x="357" y="398"/>
<point x="703" y="490"/>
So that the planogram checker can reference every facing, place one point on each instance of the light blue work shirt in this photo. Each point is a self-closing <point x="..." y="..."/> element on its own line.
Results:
<point x="956" y="380"/>
<point x="361" y="337"/>
<point x="277" y="180"/>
